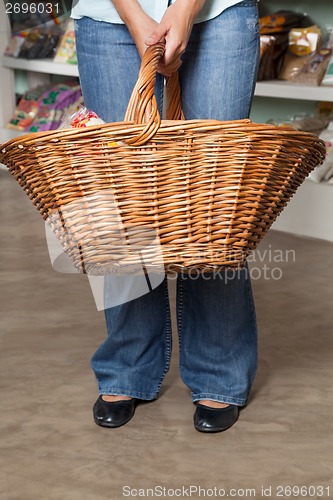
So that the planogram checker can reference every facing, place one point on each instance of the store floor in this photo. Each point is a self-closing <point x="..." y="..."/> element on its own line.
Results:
<point x="50" y="448"/>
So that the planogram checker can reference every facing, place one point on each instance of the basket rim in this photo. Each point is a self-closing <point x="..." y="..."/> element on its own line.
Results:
<point x="243" y="125"/>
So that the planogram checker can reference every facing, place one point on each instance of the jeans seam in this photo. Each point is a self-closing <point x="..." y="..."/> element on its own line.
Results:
<point x="180" y="301"/>
<point x="253" y="320"/>
<point x="255" y="68"/>
<point x="168" y="337"/>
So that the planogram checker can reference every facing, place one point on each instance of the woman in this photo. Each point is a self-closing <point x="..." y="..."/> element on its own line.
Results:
<point x="214" y="44"/>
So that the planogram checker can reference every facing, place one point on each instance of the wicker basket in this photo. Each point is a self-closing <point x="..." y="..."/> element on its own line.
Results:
<point x="185" y="194"/>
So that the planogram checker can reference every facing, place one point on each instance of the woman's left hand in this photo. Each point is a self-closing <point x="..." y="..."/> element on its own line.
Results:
<point x="175" y="28"/>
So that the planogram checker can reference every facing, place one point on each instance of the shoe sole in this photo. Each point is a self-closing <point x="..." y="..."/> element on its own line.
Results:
<point x="111" y="426"/>
<point x="212" y="431"/>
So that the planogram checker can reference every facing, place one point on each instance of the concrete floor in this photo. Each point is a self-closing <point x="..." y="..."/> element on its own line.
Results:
<point x="50" y="448"/>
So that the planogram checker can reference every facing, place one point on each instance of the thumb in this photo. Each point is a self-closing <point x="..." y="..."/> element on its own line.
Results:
<point x="155" y="36"/>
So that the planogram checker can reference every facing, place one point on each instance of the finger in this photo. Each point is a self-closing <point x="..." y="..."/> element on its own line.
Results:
<point x="169" y="69"/>
<point x="156" y="36"/>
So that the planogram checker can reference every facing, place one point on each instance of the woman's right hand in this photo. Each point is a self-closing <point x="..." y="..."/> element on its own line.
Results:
<point x="141" y="30"/>
<point x="139" y="24"/>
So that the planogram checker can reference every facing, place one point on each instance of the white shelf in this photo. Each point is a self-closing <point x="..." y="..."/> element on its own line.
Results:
<point x="287" y="90"/>
<point x="309" y="212"/>
<point x="40" y="66"/>
<point x="274" y="88"/>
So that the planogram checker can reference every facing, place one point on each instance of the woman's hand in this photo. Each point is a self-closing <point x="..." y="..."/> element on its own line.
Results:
<point x="175" y="27"/>
<point x="139" y="24"/>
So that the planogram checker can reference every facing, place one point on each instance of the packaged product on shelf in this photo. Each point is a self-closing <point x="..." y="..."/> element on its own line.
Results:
<point x="66" y="50"/>
<point x="52" y="105"/>
<point x="37" y="43"/>
<point x="273" y="50"/>
<point x="302" y="46"/>
<point x="27" y="108"/>
<point x="48" y="45"/>
<point x="274" y="40"/>
<point x="267" y="43"/>
<point x="27" y="49"/>
<point x="73" y="108"/>
<point x="14" y="46"/>
<point x="304" y="41"/>
<point x="280" y="22"/>
<point x="314" y="70"/>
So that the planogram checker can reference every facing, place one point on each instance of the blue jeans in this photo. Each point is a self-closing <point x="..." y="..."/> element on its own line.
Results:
<point x="215" y="313"/>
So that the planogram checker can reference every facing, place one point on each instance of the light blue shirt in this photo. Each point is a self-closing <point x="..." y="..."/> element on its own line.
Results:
<point x="103" y="10"/>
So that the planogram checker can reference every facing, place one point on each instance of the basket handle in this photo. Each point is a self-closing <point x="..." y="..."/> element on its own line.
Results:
<point x="142" y="106"/>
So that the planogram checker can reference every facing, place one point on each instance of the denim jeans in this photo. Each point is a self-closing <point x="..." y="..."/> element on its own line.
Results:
<point x="215" y="312"/>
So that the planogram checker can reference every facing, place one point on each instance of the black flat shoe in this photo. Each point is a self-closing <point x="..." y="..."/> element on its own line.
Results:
<point x="207" y="419"/>
<point x="113" y="414"/>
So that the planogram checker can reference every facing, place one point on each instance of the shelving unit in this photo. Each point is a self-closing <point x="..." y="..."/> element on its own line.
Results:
<point x="39" y="71"/>
<point x="286" y="90"/>
<point x="40" y="66"/>
<point x="307" y="214"/>
<point x="7" y="100"/>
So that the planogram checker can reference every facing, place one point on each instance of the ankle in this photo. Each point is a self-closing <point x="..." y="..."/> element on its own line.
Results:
<point x="212" y="404"/>
<point x="112" y="398"/>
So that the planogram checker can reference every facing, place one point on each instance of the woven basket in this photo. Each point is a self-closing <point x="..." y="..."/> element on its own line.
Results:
<point x="182" y="194"/>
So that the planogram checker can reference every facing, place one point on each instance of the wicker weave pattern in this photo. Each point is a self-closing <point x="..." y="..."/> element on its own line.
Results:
<point x="190" y="194"/>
